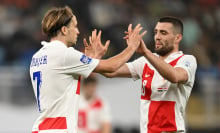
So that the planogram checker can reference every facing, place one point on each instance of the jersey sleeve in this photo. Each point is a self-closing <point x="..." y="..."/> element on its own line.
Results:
<point x="76" y="62"/>
<point x="188" y="63"/>
<point x="136" y="68"/>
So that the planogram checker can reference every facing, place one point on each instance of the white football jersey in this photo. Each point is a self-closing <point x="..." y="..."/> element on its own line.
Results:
<point x="55" y="72"/>
<point x="92" y="114"/>
<point x="163" y="103"/>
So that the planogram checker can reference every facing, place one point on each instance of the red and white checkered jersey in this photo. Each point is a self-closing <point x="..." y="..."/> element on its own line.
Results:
<point x="92" y="114"/>
<point x="55" y="72"/>
<point x="162" y="102"/>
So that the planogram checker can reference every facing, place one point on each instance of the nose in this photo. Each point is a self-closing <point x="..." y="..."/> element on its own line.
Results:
<point x="157" y="36"/>
<point x="77" y="30"/>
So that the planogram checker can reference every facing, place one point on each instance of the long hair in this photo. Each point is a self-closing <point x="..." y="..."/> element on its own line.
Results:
<point x="54" y="19"/>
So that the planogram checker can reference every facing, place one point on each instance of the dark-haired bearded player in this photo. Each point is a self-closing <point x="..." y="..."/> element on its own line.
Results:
<point x="167" y="79"/>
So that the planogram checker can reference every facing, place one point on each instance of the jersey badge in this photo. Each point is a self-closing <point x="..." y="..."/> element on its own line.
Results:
<point x="187" y="63"/>
<point x="85" y="59"/>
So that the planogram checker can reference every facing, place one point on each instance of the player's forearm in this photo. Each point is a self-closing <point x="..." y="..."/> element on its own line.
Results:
<point x="123" y="71"/>
<point x="117" y="61"/>
<point x="114" y="63"/>
<point x="165" y="69"/>
<point x="109" y="75"/>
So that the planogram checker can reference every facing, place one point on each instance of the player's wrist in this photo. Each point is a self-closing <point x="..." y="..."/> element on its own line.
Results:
<point x="132" y="47"/>
<point x="98" y="56"/>
<point x="146" y="52"/>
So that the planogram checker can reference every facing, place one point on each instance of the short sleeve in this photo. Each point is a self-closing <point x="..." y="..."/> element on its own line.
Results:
<point x="136" y="67"/>
<point x="76" y="62"/>
<point x="188" y="63"/>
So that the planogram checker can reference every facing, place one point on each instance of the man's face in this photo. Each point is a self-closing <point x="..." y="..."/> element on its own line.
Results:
<point x="164" y="38"/>
<point x="73" y="31"/>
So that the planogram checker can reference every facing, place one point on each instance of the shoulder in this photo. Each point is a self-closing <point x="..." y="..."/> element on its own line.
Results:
<point x="141" y="60"/>
<point x="71" y="49"/>
<point x="189" y="58"/>
<point x="103" y="101"/>
<point x="96" y="103"/>
<point x="187" y="61"/>
<point x="38" y="53"/>
<point x="72" y="53"/>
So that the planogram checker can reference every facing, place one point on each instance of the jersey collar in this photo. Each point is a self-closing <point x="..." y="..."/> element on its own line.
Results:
<point x="53" y="43"/>
<point x="173" y="56"/>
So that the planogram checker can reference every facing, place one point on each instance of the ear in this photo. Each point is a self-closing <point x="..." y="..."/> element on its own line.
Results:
<point x="64" y="30"/>
<point x="178" y="38"/>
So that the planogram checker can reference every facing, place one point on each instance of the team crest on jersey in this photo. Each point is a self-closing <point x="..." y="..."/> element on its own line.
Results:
<point x="85" y="59"/>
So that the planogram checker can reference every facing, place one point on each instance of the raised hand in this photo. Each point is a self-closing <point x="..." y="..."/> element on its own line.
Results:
<point x="142" y="47"/>
<point x="134" y="36"/>
<point x="89" y="51"/>
<point x="95" y="49"/>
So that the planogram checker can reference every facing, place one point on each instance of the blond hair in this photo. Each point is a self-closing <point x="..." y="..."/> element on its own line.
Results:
<point x="54" y="19"/>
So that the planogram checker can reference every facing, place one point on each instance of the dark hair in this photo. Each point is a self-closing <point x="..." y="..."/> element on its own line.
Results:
<point x="54" y="19"/>
<point x="90" y="79"/>
<point x="177" y="23"/>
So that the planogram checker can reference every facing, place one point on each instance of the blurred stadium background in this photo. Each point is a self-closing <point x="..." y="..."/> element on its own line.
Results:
<point x="20" y="36"/>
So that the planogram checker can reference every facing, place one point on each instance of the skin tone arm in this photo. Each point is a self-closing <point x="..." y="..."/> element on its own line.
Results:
<point x="121" y="72"/>
<point x="174" y="75"/>
<point x="114" y="63"/>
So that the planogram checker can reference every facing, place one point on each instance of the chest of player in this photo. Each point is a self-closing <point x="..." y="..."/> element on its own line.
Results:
<point x="156" y="87"/>
<point x="153" y="84"/>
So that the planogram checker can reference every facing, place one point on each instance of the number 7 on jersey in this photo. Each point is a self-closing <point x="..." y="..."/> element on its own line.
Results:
<point x="37" y="78"/>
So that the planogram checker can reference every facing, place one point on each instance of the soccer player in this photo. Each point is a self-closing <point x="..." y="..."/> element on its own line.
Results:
<point x="167" y="78"/>
<point x="94" y="114"/>
<point x="56" y="69"/>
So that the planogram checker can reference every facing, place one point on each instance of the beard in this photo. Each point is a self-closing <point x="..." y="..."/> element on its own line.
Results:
<point x="164" y="50"/>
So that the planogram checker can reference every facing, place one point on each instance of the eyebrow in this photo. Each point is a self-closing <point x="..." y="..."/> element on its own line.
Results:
<point x="160" y="30"/>
<point x="163" y="30"/>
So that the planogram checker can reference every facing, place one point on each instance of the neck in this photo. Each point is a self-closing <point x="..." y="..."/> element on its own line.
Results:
<point x="165" y="56"/>
<point x="88" y="98"/>
<point x="60" y="38"/>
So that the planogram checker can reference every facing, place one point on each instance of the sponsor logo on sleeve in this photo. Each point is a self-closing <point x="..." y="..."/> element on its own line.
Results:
<point x="85" y="59"/>
<point x="187" y="63"/>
